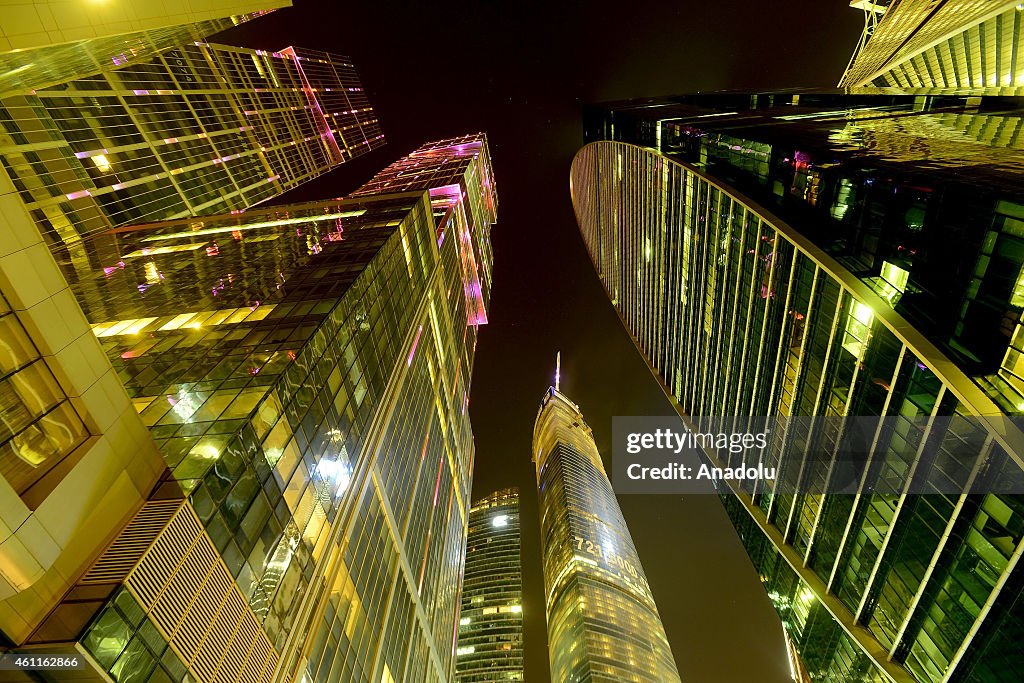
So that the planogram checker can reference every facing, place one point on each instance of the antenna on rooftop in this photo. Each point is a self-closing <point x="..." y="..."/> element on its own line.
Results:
<point x="558" y="369"/>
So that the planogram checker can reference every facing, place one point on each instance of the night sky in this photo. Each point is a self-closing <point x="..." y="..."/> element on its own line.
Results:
<point x="520" y="71"/>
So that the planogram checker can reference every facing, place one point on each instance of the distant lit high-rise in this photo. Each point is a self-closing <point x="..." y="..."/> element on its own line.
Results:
<point x="603" y="624"/>
<point x="303" y="372"/>
<point x="490" y="643"/>
<point x="822" y="254"/>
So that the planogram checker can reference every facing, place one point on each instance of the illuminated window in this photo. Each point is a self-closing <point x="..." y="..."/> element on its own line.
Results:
<point x="858" y="328"/>
<point x="1017" y="298"/>
<point x="893" y="282"/>
<point x="193" y="320"/>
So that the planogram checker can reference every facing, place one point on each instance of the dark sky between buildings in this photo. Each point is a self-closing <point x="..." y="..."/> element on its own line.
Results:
<point x="520" y="71"/>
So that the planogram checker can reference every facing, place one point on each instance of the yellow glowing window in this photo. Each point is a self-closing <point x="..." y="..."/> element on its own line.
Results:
<point x="258" y="64"/>
<point x="436" y="329"/>
<point x="200" y="318"/>
<point x="237" y="316"/>
<point x="142" y="403"/>
<point x="405" y="249"/>
<point x="156" y="251"/>
<point x="253" y="226"/>
<point x="137" y="326"/>
<point x="208" y="448"/>
<point x="178" y="321"/>
<point x="1014" y="362"/>
<point x="220" y="316"/>
<point x="894" y="281"/>
<point x="317" y="518"/>
<point x="260" y="313"/>
<point x="119" y="327"/>
<point x="194" y="319"/>
<point x="858" y="328"/>
<point x="101" y="162"/>
<point x="1017" y="299"/>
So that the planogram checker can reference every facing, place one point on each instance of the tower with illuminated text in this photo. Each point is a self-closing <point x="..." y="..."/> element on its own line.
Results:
<point x="603" y="624"/>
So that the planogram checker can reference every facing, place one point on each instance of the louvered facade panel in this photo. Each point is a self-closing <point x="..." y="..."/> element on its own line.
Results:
<point x="124" y="553"/>
<point x="189" y="594"/>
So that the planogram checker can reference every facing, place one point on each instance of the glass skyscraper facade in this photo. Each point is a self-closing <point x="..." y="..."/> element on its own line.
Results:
<point x="838" y="255"/>
<point x="298" y="508"/>
<point x="458" y="173"/>
<point x="192" y="128"/>
<point x="76" y="459"/>
<point x="603" y="624"/>
<point x="149" y="122"/>
<point x="490" y="642"/>
<point x="43" y="42"/>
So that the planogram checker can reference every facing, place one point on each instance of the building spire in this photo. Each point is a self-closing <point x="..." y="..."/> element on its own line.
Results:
<point x="558" y="369"/>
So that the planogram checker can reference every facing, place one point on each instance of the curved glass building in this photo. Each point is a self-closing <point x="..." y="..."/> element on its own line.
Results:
<point x="490" y="641"/>
<point x="832" y="255"/>
<point x="603" y="624"/>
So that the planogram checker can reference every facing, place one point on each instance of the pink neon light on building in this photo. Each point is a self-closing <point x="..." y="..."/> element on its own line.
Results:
<point x="320" y="118"/>
<point x="415" y="343"/>
<point x="457" y="174"/>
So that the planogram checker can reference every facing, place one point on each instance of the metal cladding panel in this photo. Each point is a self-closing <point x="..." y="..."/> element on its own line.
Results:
<point x="187" y="591"/>
<point x="965" y="44"/>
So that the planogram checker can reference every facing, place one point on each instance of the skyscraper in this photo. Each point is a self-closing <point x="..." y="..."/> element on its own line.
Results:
<point x="490" y="643"/>
<point x="603" y="624"/>
<point x="303" y="372"/>
<point x="182" y="128"/>
<point x="919" y="44"/>
<point x="832" y="255"/>
<point x="43" y="42"/>
<point x="458" y="173"/>
<point x="75" y="458"/>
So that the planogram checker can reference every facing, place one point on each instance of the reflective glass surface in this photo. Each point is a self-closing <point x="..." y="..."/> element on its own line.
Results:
<point x="305" y="371"/>
<point x="764" y="275"/>
<point x="603" y="624"/>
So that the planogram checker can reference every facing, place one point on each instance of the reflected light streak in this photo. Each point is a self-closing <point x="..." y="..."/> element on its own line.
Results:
<point x="253" y="226"/>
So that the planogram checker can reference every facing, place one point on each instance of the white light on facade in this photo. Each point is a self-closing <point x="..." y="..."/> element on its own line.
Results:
<point x="335" y="472"/>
